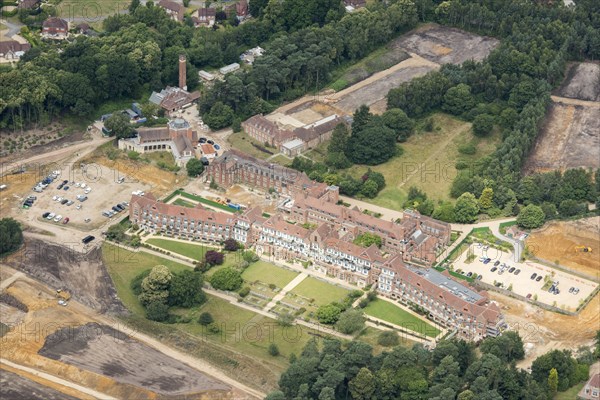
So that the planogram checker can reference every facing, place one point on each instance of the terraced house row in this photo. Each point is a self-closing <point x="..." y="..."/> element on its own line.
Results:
<point x="319" y="231"/>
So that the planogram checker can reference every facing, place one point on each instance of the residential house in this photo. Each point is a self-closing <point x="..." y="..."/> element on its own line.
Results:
<point x="11" y="50"/>
<point x="173" y="9"/>
<point x="55" y="28"/>
<point x="28" y="4"/>
<point x="591" y="390"/>
<point x="204" y="17"/>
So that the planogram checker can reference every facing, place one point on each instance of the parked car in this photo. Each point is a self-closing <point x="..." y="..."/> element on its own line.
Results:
<point x="493" y="269"/>
<point x="59" y="199"/>
<point x="496" y="263"/>
<point x="60" y="186"/>
<point x="66" y="188"/>
<point x="487" y="260"/>
<point x="45" y="215"/>
<point x="88" y="239"/>
<point x="510" y="271"/>
<point x="65" y="182"/>
<point x="217" y="147"/>
<point x="533" y="276"/>
<point x="202" y="140"/>
<point x="210" y="142"/>
<point x="576" y="290"/>
<point x="528" y="295"/>
<point x="70" y="202"/>
<point x="539" y="278"/>
<point x="66" y="220"/>
<point x="78" y="206"/>
<point x="517" y="272"/>
<point x="65" y="201"/>
<point x="571" y="289"/>
<point x="58" y="218"/>
<point x="115" y="209"/>
<point x="469" y="274"/>
<point x="87" y="190"/>
<point x="50" y="216"/>
<point x="87" y="220"/>
<point x="54" y="198"/>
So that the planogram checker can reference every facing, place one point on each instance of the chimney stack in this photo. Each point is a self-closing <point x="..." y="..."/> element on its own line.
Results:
<point x="182" y="65"/>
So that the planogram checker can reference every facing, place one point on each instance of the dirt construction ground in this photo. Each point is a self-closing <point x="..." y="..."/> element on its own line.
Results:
<point x="72" y="343"/>
<point x="429" y="47"/>
<point x="582" y="82"/>
<point x="569" y="138"/>
<point x="16" y="387"/>
<point x="557" y="241"/>
<point x="444" y="45"/>
<point x="103" y="350"/>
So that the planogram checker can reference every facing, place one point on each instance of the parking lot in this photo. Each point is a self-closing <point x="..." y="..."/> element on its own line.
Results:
<point x="89" y="193"/>
<point x="522" y="284"/>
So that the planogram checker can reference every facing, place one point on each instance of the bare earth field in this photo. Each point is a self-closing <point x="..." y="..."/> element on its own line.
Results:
<point x="103" y="350"/>
<point x="81" y="274"/>
<point x="582" y="82"/>
<point x="569" y="138"/>
<point x="16" y="387"/>
<point x="543" y="331"/>
<point x="353" y="97"/>
<point x="76" y="344"/>
<point x="429" y="47"/>
<point x="444" y="45"/>
<point x="557" y="241"/>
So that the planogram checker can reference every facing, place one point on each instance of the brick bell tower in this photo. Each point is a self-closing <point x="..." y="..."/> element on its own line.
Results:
<point x="182" y="65"/>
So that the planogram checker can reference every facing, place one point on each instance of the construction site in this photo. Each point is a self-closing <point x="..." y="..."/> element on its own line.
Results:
<point x="570" y="134"/>
<point x="55" y="340"/>
<point x="572" y="244"/>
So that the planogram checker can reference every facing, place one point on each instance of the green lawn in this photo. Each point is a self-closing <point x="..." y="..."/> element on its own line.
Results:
<point x="195" y="251"/>
<point x="241" y="330"/>
<point x="199" y="199"/>
<point x="184" y="203"/>
<point x="124" y="265"/>
<point x="322" y="292"/>
<point x="246" y="332"/>
<point x="318" y="153"/>
<point x="243" y="142"/>
<point x="91" y="10"/>
<point x="571" y="393"/>
<point x="268" y="273"/>
<point x="161" y="156"/>
<point x="427" y="162"/>
<point x="389" y="312"/>
<point x="281" y="160"/>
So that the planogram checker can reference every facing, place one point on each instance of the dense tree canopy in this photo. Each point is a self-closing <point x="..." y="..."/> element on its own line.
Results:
<point x="451" y="371"/>
<point x="11" y="236"/>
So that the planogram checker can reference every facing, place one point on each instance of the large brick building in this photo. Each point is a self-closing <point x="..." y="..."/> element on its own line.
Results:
<point x="323" y="235"/>
<point x="290" y="141"/>
<point x="234" y="167"/>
